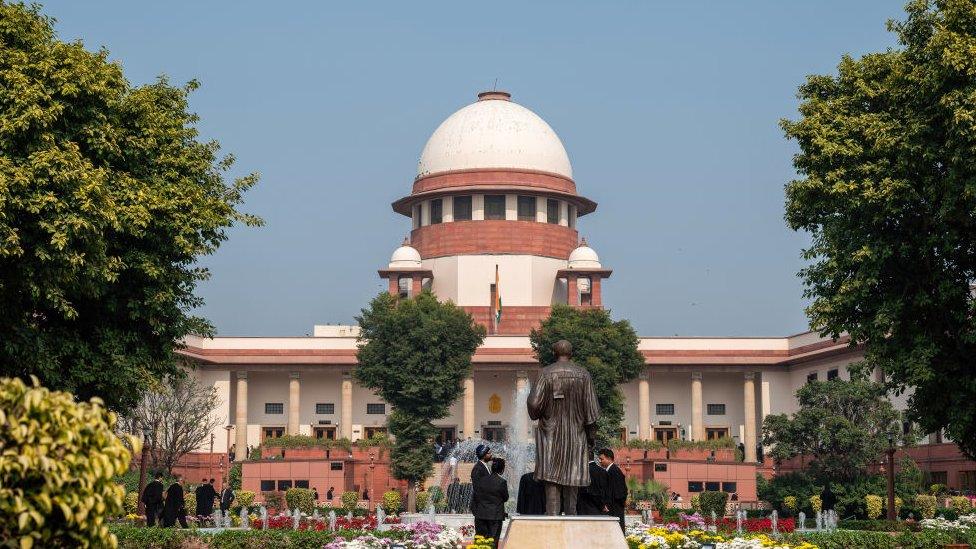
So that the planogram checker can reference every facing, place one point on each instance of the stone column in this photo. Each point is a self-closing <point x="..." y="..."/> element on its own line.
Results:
<point x="749" y="401"/>
<point x="572" y="291"/>
<point x="294" y="402"/>
<point x="596" y="299"/>
<point x="346" y="417"/>
<point x="697" y="427"/>
<point x="417" y="286"/>
<point x="644" y="407"/>
<point x="521" y="386"/>
<point x="240" y="452"/>
<point x="468" y="411"/>
<point x="394" y="285"/>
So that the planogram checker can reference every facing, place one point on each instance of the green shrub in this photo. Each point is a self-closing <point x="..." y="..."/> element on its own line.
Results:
<point x="695" y="502"/>
<point x="816" y="504"/>
<point x="274" y="500"/>
<point x="190" y="502"/>
<point x="234" y="476"/>
<point x="712" y="502"/>
<point x="349" y="500"/>
<point x="846" y="539"/>
<point x="243" y="498"/>
<point x="301" y="499"/>
<point x="960" y="504"/>
<point x="391" y="501"/>
<point x="874" y="525"/>
<point x="789" y="504"/>
<point x="132" y="537"/>
<point x="57" y="468"/>
<point x="423" y="499"/>
<point x="873" y="505"/>
<point x="131" y="503"/>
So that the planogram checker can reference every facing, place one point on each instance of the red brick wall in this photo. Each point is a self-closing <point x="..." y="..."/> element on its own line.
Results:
<point x="494" y="237"/>
<point x="494" y="178"/>
<point x="515" y="320"/>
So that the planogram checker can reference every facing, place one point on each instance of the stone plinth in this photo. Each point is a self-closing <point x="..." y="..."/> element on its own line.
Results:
<point x="592" y="532"/>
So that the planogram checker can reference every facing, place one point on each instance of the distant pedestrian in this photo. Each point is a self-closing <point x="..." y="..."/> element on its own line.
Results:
<point x="315" y="495"/>
<point x="329" y="495"/>
<point x="175" y="507"/>
<point x="152" y="498"/>
<point x="227" y="498"/>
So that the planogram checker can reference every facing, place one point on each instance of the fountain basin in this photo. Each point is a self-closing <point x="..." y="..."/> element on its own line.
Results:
<point x="449" y="520"/>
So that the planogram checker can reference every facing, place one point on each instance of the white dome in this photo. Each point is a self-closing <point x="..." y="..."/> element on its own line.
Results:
<point x="584" y="257"/>
<point x="406" y="256"/>
<point x="494" y="133"/>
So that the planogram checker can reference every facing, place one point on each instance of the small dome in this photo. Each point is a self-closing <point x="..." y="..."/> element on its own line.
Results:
<point x="584" y="257"/>
<point x="494" y="132"/>
<point x="406" y="256"/>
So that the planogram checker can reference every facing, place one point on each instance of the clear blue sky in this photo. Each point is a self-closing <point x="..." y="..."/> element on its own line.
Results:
<point x="668" y="110"/>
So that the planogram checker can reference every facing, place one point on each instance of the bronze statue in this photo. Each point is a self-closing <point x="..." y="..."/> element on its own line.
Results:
<point x="564" y="402"/>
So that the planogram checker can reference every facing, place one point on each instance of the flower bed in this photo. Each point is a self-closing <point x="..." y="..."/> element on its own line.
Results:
<point x="286" y="522"/>
<point x="641" y="536"/>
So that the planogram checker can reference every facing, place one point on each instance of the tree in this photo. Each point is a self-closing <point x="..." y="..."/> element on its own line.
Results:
<point x="179" y="413"/>
<point x="107" y="198"/>
<point x="415" y="353"/>
<point x="606" y="348"/>
<point x="842" y="425"/>
<point x="887" y="191"/>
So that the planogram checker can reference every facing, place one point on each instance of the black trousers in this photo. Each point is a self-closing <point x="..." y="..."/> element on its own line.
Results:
<point x="152" y="513"/>
<point x="171" y="521"/>
<point x="489" y="529"/>
<point x="617" y="510"/>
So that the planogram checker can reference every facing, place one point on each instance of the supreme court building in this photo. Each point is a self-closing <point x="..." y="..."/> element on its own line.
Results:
<point x="494" y="187"/>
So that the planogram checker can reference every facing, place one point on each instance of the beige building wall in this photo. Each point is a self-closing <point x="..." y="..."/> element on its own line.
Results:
<point x="467" y="279"/>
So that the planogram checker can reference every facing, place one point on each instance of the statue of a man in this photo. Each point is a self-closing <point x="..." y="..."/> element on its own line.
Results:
<point x="564" y="402"/>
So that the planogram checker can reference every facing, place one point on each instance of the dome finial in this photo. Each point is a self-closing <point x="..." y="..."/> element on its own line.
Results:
<point x="406" y="241"/>
<point x="583" y="242"/>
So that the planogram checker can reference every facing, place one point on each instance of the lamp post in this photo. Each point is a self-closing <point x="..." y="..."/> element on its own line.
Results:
<point x="372" y="478"/>
<point x="228" y="428"/>
<point x="142" y="468"/>
<point x="892" y="515"/>
<point x="210" y="458"/>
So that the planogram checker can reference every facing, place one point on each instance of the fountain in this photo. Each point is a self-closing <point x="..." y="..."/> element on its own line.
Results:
<point x="245" y="519"/>
<point x="296" y="519"/>
<point x="819" y="520"/>
<point x="315" y="515"/>
<point x="738" y="521"/>
<point x="380" y="518"/>
<point x="227" y="521"/>
<point x="216" y="518"/>
<point x="774" y="520"/>
<point x="264" y="517"/>
<point x="801" y="520"/>
<point x="714" y="526"/>
<point x="332" y="520"/>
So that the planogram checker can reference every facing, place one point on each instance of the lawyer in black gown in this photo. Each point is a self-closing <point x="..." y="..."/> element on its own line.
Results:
<point x="174" y="509"/>
<point x="618" y="485"/>
<point x="489" y="513"/>
<point x="595" y="498"/>
<point x="152" y="497"/>
<point x="531" y="496"/>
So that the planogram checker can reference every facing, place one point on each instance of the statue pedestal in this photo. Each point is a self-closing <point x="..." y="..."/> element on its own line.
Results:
<point x="543" y="532"/>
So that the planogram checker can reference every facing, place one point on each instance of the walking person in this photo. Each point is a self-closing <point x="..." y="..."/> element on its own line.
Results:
<point x="152" y="497"/>
<point x="595" y="498"/>
<point x="479" y="472"/>
<point x="328" y="495"/>
<point x="489" y="511"/>
<point x="617" y="485"/>
<point x="227" y="498"/>
<point x="175" y="507"/>
<point x="204" y="499"/>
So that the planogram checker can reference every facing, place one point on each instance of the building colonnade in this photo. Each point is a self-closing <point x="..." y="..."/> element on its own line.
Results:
<point x="468" y="411"/>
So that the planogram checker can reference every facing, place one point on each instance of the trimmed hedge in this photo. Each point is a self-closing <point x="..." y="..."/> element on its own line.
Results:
<point x="131" y="537"/>
<point x="712" y="502"/>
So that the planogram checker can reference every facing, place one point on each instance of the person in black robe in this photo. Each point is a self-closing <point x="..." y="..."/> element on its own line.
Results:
<point x="595" y="498"/>
<point x="480" y="470"/>
<point x="227" y="498"/>
<point x="152" y="497"/>
<point x="489" y="511"/>
<point x="531" y="496"/>
<point x="205" y="497"/>
<point x="827" y="498"/>
<point x="328" y="494"/>
<point x="617" y="486"/>
<point x="175" y="507"/>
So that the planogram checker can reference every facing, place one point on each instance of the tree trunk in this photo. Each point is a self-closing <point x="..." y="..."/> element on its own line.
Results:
<point x="411" y="496"/>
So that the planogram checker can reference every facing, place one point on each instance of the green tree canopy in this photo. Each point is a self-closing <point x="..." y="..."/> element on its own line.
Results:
<point x="415" y="353"/>
<point x="887" y="190"/>
<point x="107" y="198"/>
<point x="606" y="348"/>
<point x="842" y="425"/>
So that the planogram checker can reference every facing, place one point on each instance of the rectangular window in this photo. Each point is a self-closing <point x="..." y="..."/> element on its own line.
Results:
<point x="436" y="211"/>
<point x="664" y="409"/>
<point x="832" y="374"/>
<point x="494" y="206"/>
<point x="284" y="485"/>
<point x="729" y="487"/>
<point x="716" y="409"/>
<point x="552" y="211"/>
<point x="812" y="377"/>
<point x="267" y="485"/>
<point x="526" y="208"/>
<point x="376" y="409"/>
<point x="694" y="487"/>
<point x="660" y="467"/>
<point x="716" y="433"/>
<point x="335" y="466"/>
<point x="301" y="484"/>
<point x="325" y="408"/>
<point x="462" y="208"/>
<point x="274" y="432"/>
<point x="712" y="486"/>
<point x="274" y="408"/>
<point x="939" y="477"/>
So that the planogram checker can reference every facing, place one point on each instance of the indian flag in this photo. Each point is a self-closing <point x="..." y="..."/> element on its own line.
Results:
<point x="498" y="300"/>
